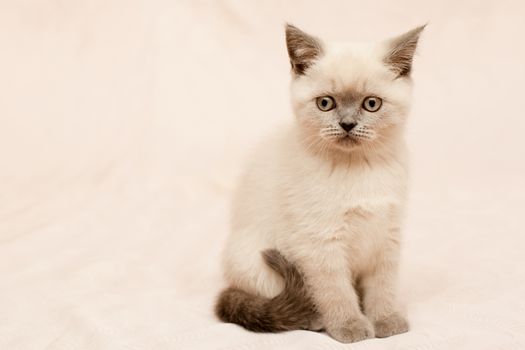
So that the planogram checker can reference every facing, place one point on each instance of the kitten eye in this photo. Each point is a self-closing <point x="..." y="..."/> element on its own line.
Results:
<point x="325" y="103"/>
<point x="372" y="104"/>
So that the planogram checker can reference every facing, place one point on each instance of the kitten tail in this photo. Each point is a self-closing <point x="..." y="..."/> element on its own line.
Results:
<point x="290" y="310"/>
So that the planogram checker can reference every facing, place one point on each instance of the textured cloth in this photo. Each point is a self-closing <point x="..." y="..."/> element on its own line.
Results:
<point x="124" y="125"/>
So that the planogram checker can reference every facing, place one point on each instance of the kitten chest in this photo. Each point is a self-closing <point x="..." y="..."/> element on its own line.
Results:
<point x="347" y="203"/>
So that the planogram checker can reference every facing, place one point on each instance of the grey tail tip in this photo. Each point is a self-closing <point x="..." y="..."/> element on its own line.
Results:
<point x="292" y="309"/>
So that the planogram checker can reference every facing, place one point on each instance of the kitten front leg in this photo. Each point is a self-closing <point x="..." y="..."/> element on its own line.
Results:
<point x="379" y="296"/>
<point x="335" y="297"/>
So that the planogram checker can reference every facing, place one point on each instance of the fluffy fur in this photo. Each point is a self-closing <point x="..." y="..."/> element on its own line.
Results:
<point x="329" y="200"/>
<point x="291" y="309"/>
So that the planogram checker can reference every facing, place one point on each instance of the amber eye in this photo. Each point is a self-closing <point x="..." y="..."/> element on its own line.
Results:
<point x="325" y="103"/>
<point x="372" y="104"/>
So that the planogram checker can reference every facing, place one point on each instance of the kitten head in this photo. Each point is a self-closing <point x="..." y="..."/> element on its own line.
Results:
<point x="350" y="96"/>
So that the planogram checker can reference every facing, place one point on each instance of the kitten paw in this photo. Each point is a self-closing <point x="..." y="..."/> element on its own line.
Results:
<point x="353" y="331"/>
<point x="391" y="325"/>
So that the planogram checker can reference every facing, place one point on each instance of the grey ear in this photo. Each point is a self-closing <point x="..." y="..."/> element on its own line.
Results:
<point x="400" y="51"/>
<point x="303" y="49"/>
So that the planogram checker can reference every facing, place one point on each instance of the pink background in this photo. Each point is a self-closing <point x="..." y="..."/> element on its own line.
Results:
<point x="123" y="125"/>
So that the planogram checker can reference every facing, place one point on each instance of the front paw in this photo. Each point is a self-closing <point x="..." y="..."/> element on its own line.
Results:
<point x="353" y="331"/>
<point x="391" y="325"/>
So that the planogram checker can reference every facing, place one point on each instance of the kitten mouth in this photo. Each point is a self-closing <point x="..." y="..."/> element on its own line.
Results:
<point x="347" y="141"/>
<point x="348" y="138"/>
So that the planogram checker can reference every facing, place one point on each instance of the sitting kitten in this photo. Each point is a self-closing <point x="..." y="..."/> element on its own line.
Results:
<point x="327" y="194"/>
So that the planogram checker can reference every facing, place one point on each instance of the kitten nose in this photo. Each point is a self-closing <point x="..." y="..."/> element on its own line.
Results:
<point x="347" y="126"/>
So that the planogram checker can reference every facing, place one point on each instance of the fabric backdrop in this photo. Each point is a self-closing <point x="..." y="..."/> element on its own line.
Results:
<point x="123" y="126"/>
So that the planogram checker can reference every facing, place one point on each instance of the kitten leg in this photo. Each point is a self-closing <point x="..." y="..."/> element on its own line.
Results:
<point x="379" y="296"/>
<point x="326" y="273"/>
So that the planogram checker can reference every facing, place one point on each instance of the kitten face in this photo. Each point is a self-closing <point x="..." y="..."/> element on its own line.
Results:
<point x="350" y="96"/>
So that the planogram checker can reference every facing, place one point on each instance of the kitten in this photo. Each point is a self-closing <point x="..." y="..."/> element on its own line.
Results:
<point x="328" y="194"/>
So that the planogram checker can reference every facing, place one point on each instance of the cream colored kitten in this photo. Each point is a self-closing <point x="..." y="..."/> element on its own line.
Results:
<point x="324" y="198"/>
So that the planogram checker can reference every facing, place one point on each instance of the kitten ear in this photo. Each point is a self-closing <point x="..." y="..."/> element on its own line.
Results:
<point x="400" y="51"/>
<point x="303" y="49"/>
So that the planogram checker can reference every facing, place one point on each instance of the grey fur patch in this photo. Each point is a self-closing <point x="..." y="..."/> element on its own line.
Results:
<point x="401" y="52"/>
<point x="292" y="309"/>
<point x="303" y="49"/>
